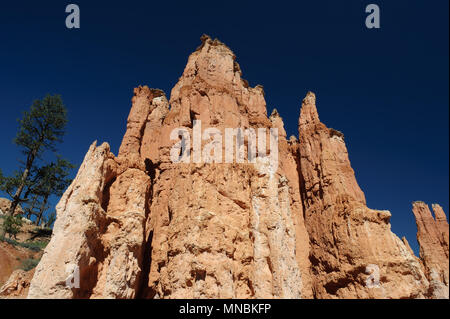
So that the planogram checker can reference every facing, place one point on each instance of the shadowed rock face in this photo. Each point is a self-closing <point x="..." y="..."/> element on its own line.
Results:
<point x="140" y="226"/>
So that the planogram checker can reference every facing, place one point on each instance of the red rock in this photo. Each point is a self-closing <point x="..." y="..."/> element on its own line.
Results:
<point x="141" y="226"/>
<point x="433" y="238"/>
<point x="347" y="238"/>
<point x="17" y="285"/>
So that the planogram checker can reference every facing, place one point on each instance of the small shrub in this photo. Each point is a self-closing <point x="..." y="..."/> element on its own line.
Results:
<point x="33" y="246"/>
<point x="12" y="224"/>
<point x="29" y="264"/>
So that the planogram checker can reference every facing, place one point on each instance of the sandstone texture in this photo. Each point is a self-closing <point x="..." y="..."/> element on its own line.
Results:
<point x="5" y="204"/>
<point x="9" y="260"/>
<point x="433" y="238"/>
<point x="17" y="285"/>
<point x="142" y="226"/>
<point x="347" y="238"/>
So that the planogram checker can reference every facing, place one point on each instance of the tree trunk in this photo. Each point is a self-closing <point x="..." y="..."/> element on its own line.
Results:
<point x="16" y="198"/>
<point x="31" y="208"/>
<point x="41" y="211"/>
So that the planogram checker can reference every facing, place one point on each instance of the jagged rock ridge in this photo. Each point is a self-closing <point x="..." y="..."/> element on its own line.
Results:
<point x="140" y="226"/>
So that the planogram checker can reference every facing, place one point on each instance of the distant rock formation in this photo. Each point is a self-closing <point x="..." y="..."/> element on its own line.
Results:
<point x="141" y="226"/>
<point x="5" y="204"/>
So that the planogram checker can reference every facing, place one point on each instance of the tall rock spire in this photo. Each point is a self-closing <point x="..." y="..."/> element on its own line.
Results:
<point x="224" y="231"/>
<point x="140" y="225"/>
<point x="349" y="242"/>
<point x="197" y="230"/>
<point x="433" y="238"/>
<point x="308" y="112"/>
<point x="325" y="164"/>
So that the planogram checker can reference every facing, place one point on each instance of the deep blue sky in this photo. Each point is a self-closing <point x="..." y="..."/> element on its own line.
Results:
<point x="386" y="89"/>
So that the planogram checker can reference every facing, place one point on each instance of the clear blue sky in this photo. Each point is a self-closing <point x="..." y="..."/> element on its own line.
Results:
<point x="386" y="89"/>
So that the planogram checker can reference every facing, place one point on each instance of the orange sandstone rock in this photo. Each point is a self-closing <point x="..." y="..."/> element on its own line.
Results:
<point x="433" y="238"/>
<point x="141" y="226"/>
<point x="347" y="238"/>
<point x="17" y="285"/>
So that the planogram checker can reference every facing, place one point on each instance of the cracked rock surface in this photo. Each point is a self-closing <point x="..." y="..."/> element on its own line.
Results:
<point x="140" y="226"/>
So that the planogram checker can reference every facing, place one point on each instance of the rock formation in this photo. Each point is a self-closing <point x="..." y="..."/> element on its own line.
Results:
<point x="18" y="252"/>
<point x="5" y="204"/>
<point x="433" y="238"/>
<point x="140" y="225"/>
<point x="17" y="285"/>
<point x="9" y="260"/>
<point x="347" y="238"/>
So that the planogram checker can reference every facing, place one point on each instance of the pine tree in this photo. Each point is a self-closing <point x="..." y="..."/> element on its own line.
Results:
<point x="50" y="220"/>
<point x="52" y="180"/>
<point x="11" y="226"/>
<point x="40" y="129"/>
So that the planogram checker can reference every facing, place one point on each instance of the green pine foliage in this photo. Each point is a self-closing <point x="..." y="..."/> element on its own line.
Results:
<point x="29" y="263"/>
<point x="12" y="225"/>
<point x="31" y="186"/>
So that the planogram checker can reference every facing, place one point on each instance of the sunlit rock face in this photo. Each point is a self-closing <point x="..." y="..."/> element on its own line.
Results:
<point x="433" y="239"/>
<point x="348" y="240"/>
<point x="140" y="225"/>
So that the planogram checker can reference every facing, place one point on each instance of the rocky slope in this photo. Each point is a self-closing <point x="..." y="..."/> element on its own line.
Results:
<point x="141" y="226"/>
<point x="10" y="257"/>
<point x="17" y="285"/>
<point x="17" y="254"/>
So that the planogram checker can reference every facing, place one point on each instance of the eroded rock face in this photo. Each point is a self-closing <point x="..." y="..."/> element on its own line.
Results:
<point x="5" y="205"/>
<point x="92" y="236"/>
<point x="142" y="226"/>
<point x="222" y="230"/>
<point x="17" y="285"/>
<point x="10" y="259"/>
<point x="433" y="238"/>
<point x="347" y="238"/>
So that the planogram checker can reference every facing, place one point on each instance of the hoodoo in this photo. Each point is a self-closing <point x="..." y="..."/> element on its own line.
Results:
<point x="139" y="225"/>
